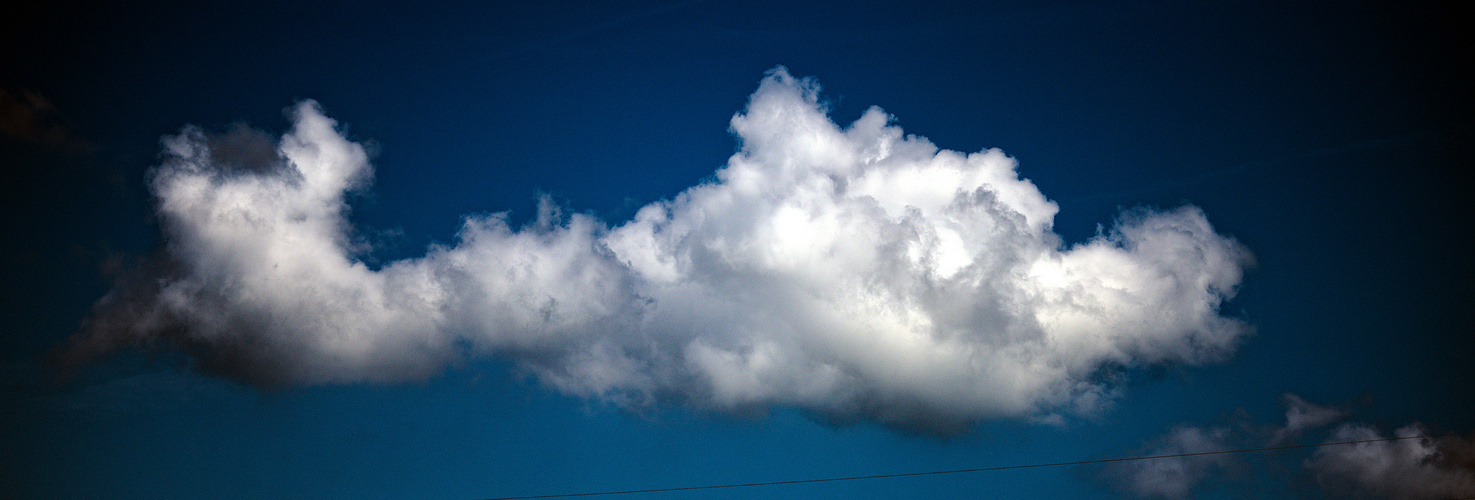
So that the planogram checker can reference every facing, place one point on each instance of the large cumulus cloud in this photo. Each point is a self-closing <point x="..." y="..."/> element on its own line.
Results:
<point x="856" y="272"/>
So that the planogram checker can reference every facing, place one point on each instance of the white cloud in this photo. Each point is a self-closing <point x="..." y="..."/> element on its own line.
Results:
<point x="855" y="272"/>
<point x="1174" y="477"/>
<point x="1179" y="477"/>
<point x="1302" y="415"/>
<point x="1410" y="468"/>
<point x="1417" y="468"/>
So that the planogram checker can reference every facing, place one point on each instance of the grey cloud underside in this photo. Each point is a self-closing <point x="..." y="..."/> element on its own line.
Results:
<point x="853" y="272"/>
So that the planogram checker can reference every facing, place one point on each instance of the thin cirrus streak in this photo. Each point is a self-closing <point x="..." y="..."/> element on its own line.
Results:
<point x="854" y="273"/>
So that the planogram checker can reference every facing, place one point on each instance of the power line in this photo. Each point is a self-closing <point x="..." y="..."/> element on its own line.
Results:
<point x="981" y="469"/>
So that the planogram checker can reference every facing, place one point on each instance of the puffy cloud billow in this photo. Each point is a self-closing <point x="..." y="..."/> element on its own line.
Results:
<point x="856" y="273"/>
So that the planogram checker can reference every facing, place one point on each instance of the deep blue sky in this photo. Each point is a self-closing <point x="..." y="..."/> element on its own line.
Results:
<point x="1331" y="139"/>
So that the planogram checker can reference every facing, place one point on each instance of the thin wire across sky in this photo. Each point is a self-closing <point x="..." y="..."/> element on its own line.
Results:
<point x="980" y="469"/>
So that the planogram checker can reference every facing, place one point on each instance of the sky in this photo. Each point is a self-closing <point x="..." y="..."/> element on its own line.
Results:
<point x="481" y="250"/>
